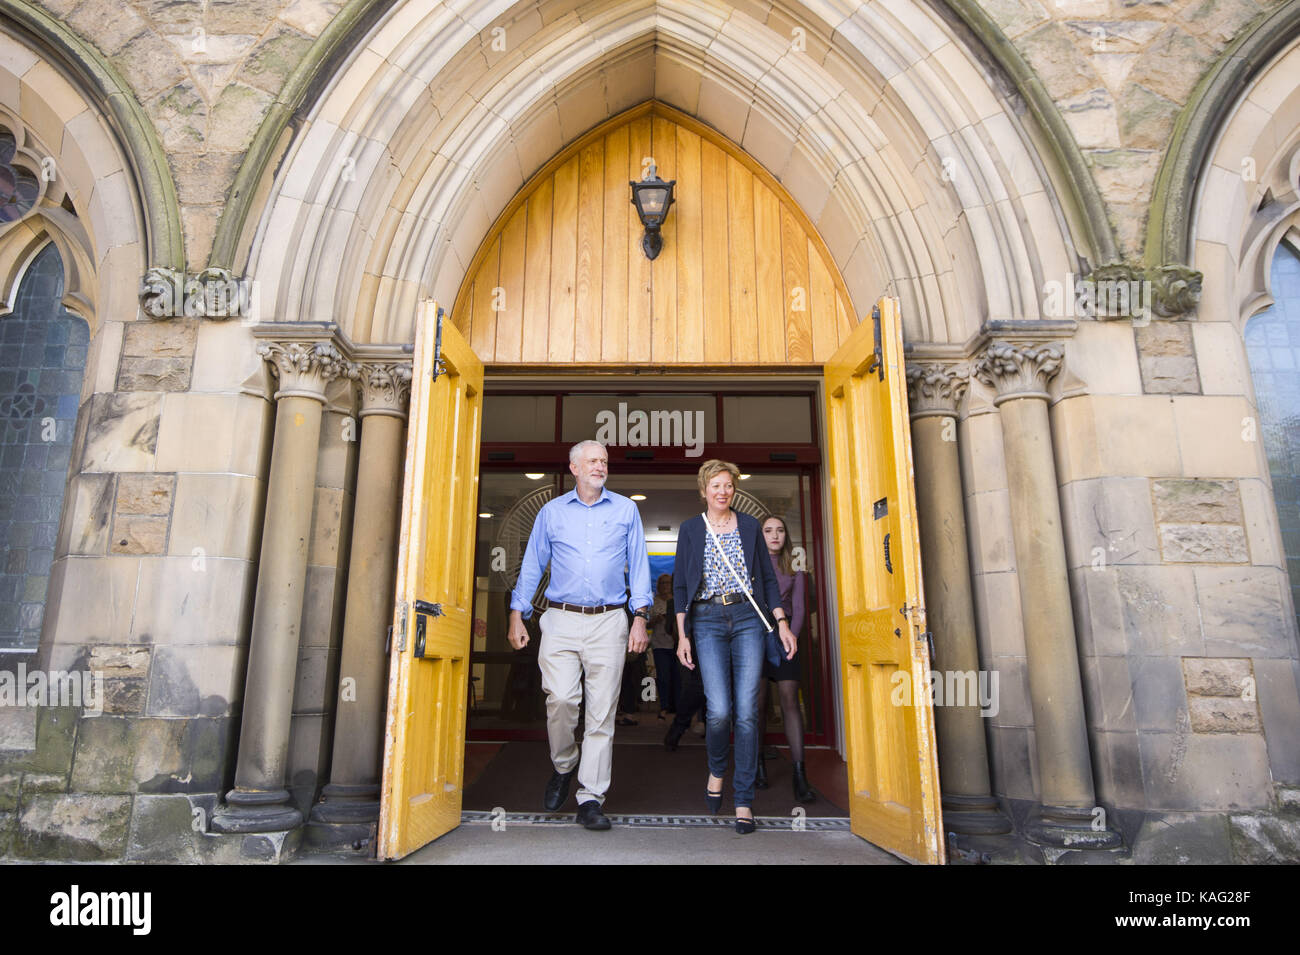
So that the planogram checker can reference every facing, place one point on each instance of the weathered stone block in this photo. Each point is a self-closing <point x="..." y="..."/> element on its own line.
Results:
<point x="154" y="374"/>
<point x="133" y="534"/>
<point x="1193" y="501"/>
<point x="73" y="827"/>
<point x="1222" y="714"/>
<point x="194" y="680"/>
<point x="174" y="338"/>
<point x="125" y="697"/>
<point x="193" y="600"/>
<point x="204" y="179"/>
<point x="148" y="62"/>
<point x="87" y="513"/>
<point x="1243" y="612"/>
<point x="181" y="116"/>
<point x="1167" y="358"/>
<point x="119" y="662"/>
<point x="1171" y="64"/>
<point x="1265" y="840"/>
<point x="1160" y="611"/>
<point x="122" y="432"/>
<point x="10" y="786"/>
<point x="241" y="16"/>
<point x="111" y="25"/>
<point x="18" y="728"/>
<point x="213" y="745"/>
<point x="160" y="758"/>
<point x="1145" y="118"/>
<point x="162" y="830"/>
<point x="1158" y="695"/>
<point x="1197" y="772"/>
<point x="236" y="115"/>
<point x="45" y="782"/>
<point x="1216" y="676"/>
<point x="219" y="513"/>
<point x="1183" y="839"/>
<point x="103" y="759"/>
<point x="271" y="62"/>
<point x="56" y="733"/>
<point x="1278" y="693"/>
<point x="1056" y="59"/>
<point x="1204" y="543"/>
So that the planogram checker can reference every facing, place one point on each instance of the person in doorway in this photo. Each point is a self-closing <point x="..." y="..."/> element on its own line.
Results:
<point x="722" y="575"/>
<point x="663" y="642"/>
<point x="794" y="599"/>
<point x="595" y="545"/>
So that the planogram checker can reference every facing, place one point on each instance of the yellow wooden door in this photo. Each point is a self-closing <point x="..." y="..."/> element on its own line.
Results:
<point x="884" y="661"/>
<point x="424" y="744"/>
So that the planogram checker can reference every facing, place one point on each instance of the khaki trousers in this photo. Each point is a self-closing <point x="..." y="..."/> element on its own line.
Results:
<point x="574" y="644"/>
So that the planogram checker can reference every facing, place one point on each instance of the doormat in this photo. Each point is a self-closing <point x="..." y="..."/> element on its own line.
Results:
<point x="502" y="818"/>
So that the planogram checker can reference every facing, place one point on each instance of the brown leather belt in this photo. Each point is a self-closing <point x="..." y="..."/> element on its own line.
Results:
<point x="725" y="599"/>
<point x="575" y="608"/>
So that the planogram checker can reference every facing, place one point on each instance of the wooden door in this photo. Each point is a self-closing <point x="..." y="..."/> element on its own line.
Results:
<point x="424" y="744"/>
<point x="884" y="662"/>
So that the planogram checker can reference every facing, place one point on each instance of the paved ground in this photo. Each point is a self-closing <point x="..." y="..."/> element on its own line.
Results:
<point x="522" y="843"/>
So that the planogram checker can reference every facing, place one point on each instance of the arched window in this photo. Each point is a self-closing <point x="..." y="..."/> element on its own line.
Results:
<point x="42" y="360"/>
<point x="1273" y="347"/>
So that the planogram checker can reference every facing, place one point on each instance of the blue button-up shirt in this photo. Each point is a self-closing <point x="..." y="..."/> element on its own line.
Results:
<point x="595" y="551"/>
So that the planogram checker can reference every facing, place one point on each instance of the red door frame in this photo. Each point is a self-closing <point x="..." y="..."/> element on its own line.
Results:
<point x="803" y="460"/>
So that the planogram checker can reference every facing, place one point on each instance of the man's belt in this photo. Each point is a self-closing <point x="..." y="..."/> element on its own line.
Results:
<point x="575" y="608"/>
<point x="725" y="599"/>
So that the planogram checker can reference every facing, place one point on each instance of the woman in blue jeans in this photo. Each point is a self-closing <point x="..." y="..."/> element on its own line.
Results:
<point x="721" y="563"/>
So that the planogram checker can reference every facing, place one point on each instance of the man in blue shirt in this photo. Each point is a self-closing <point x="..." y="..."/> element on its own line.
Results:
<point x="593" y="540"/>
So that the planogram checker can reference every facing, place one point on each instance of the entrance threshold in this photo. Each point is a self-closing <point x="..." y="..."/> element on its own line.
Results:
<point x="658" y="821"/>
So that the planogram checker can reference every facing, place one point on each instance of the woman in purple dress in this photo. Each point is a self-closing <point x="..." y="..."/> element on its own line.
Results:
<point x="794" y="598"/>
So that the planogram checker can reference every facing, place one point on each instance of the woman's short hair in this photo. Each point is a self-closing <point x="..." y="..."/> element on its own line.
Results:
<point x="712" y="468"/>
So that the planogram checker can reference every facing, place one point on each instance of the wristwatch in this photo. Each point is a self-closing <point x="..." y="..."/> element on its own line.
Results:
<point x="643" y="613"/>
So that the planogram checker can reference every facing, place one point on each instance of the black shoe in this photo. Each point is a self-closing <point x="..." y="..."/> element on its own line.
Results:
<point x="714" y="801"/>
<point x="589" y="815"/>
<point x="557" y="790"/>
<point x="760" y="778"/>
<point x="672" y="738"/>
<point x="802" y="791"/>
<point x="744" y="826"/>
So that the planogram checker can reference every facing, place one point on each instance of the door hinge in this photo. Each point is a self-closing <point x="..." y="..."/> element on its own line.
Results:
<point x="889" y="566"/>
<point x="928" y="637"/>
<point x="401" y="626"/>
<point x="877" y="363"/>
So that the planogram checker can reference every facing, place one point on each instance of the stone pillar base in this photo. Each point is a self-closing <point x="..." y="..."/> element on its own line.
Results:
<point x="355" y="839"/>
<point x="340" y="803"/>
<point x="1067" y="827"/>
<point x="256" y="812"/>
<point x="974" y="815"/>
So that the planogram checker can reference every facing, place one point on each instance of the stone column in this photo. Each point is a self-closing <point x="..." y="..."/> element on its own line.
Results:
<point x="1019" y="372"/>
<point x="260" y="802"/>
<point x="935" y="389"/>
<point x="350" y="802"/>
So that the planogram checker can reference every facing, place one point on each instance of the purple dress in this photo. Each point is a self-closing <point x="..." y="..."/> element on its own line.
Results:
<point x="794" y="600"/>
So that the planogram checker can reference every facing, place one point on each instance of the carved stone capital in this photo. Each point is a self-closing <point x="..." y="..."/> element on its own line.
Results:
<point x="385" y="387"/>
<point x="1019" y="369"/>
<point x="303" y="369"/>
<point x="936" y="387"/>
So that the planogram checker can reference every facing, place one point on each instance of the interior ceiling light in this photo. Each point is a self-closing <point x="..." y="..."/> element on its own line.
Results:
<point x="534" y="475"/>
<point x="638" y="497"/>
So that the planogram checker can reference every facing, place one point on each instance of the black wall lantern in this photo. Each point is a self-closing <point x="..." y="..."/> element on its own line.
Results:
<point x="652" y="197"/>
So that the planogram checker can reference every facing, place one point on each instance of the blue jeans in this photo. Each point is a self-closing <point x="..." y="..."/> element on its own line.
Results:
<point x="729" y="653"/>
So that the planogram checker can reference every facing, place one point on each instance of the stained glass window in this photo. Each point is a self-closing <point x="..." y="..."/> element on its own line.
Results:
<point x="42" y="360"/>
<point x="1273" y="347"/>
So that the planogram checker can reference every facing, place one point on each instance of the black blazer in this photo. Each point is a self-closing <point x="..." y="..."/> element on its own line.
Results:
<point x="688" y="566"/>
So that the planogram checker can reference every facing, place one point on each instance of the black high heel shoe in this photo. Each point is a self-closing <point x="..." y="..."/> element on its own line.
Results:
<point x="745" y="826"/>
<point x="803" y="792"/>
<point x="714" y="799"/>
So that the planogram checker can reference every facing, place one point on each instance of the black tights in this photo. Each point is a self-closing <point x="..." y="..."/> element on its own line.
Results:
<point x="790" y="715"/>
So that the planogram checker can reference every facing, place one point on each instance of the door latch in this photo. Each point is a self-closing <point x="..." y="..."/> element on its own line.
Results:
<point x="888" y="564"/>
<point x="928" y="637"/>
<point x="401" y="626"/>
<point x="423" y="611"/>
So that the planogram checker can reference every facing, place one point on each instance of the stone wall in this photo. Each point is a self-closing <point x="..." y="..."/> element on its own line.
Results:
<point x="207" y="71"/>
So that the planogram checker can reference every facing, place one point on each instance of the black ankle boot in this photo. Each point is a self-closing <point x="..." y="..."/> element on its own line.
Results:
<point x="802" y="791"/>
<point x="673" y="738"/>
<point x="760" y="778"/>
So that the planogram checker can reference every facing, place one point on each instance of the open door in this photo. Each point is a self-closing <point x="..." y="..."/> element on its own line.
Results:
<point x="888" y="723"/>
<point x="424" y="743"/>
